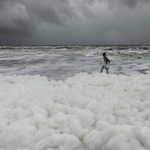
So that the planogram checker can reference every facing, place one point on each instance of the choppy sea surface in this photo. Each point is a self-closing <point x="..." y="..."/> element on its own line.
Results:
<point x="61" y="62"/>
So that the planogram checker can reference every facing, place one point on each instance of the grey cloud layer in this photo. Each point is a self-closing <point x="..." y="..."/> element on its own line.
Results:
<point x="28" y="18"/>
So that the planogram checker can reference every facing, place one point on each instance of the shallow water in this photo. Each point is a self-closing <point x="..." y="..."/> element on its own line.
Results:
<point x="61" y="62"/>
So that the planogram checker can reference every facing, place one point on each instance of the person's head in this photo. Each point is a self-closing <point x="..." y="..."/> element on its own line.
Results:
<point x="104" y="54"/>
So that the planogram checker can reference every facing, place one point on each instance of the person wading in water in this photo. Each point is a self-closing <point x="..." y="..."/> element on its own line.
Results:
<point x="106" y="63"/>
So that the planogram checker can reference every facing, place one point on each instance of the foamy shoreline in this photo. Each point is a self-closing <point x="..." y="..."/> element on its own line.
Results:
<point x="96" y="111"/>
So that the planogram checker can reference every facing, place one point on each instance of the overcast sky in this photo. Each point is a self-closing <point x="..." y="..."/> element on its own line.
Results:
<point x="74" y="22"/>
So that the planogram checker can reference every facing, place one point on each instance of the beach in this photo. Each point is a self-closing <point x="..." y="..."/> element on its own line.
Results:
<point x="55" y="98"/>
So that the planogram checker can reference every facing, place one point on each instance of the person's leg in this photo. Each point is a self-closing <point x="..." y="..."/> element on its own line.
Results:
<point x="107" y="68"/>
<point x="107" y="71"/>
<point x="102" y="69"/>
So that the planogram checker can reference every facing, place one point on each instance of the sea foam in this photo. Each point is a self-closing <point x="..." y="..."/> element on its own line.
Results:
<point x="87" y="111"/>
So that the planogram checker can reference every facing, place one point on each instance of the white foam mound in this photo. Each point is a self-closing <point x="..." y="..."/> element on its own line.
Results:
<point x="94" y="112"/>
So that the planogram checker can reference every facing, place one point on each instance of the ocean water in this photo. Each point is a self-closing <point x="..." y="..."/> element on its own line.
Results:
<point x="61" y="62"/>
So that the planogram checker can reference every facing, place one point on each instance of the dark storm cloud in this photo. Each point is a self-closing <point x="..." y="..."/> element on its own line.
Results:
<point x="23" y="17"/>
<point x="14" y="19"/>
<point x="50" y="11"/>
<point x="73" y="21"/>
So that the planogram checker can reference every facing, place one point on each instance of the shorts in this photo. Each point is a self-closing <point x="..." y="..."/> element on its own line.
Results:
<point x="106" y="66"/>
